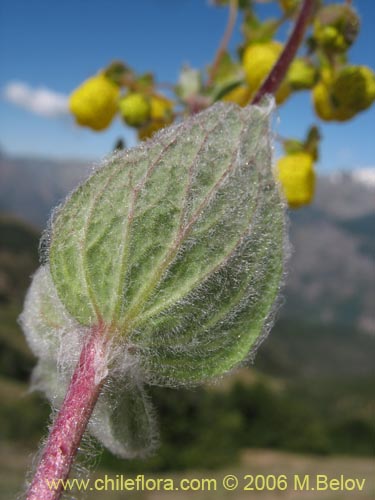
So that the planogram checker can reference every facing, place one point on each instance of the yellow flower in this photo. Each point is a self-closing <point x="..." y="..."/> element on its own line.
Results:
<point x="240" y="95"/>
<point x="258" y="60"/>
<point x="342" y="96"/>
<point x="297" y="178"/>
<point x="94" y="103"/>
<point x="135" y="109"/>
<point x="353" y="90"/>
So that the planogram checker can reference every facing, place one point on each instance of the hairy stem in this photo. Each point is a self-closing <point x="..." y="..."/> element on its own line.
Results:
<point x="71" y="420"/>
<point x="278" y="72"/>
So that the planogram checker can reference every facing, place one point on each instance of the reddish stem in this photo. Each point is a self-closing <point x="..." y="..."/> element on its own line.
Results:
<point x="71" y="421"/>
<point x="278" y="72"/>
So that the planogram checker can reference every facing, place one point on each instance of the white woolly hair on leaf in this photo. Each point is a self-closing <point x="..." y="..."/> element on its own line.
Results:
<point x="188" y="317"/>
<point x="52" y="334"/>
<point x="124" y="419"/>
<point x="57" y="340"/>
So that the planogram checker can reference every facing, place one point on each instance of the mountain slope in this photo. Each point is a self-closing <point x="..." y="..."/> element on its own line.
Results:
<point x="332" y="275"/>
<point x="31" y="187"/>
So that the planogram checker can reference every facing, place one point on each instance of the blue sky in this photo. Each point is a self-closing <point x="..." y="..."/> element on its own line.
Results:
<point x="58" y="44"/>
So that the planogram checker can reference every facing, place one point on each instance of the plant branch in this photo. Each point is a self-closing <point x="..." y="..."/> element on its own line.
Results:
<point x="278" y="72"/>
<point x="71" y="420"/>
<point x="233" y="10"/>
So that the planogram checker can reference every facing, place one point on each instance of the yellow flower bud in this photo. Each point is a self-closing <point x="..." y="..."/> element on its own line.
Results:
<point x="329" y="37"/>
<point x="336" y="27"/>
<point x="135" y="109"/>
<point x="297" y="178"/>
<point x="94" y="103"/>
<point x="258" y="60"/>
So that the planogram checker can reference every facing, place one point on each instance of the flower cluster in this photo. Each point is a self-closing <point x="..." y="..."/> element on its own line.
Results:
<point x="96" y="102"/>
<point x="339" y="90"/>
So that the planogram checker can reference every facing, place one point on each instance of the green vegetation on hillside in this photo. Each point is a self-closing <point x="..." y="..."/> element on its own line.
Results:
<point x="310" y="391"/>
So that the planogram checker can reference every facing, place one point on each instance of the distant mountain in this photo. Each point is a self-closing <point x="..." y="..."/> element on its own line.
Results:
<point x="299" y="345"/>
<point x="311" y="390"/>
<point x="31" y="187"/>
<point x="332" y="269"/>
<point x="331" y="272"/>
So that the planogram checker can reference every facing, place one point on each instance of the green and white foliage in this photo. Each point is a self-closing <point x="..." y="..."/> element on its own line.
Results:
<point x="177" y="247"/>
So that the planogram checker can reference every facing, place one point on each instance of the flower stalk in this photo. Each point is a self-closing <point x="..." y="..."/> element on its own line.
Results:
<point x="278" y="72"/>
<point x="233" y="11"/>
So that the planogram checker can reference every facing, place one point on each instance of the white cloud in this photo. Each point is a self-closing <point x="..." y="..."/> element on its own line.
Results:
<point x="40" y="101"/>
<point x="365" y="175"/>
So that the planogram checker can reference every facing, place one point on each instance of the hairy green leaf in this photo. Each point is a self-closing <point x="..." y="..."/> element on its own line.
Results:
<point x="123" y="420"/>
<point x="178" y="245"/>
<point x="176" y="248"/>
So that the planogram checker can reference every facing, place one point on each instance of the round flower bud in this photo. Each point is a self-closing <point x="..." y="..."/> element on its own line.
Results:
<point x="135" y="109"/>
<point x="297" y="178"/>
<point x="258" y="60"/>
<point x="94" y="103"/>
<point x="301" y="75"/>
<point x="336" y="27"/>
